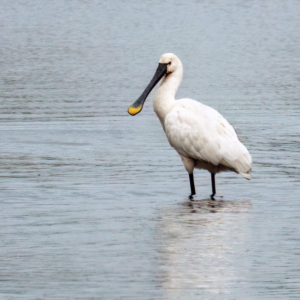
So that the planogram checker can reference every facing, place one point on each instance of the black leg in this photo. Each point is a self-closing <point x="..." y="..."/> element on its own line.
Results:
<point x="213" y="184"/>
<point x="193" y="192"/>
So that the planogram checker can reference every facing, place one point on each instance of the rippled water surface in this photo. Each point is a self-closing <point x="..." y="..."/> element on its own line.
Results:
<point x="94" y="202"/>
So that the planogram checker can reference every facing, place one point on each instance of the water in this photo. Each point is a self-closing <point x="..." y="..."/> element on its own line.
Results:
<point x="94" y="202"/>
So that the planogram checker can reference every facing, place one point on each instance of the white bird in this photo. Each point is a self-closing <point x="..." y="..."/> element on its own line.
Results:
<point x="200" y="135"/>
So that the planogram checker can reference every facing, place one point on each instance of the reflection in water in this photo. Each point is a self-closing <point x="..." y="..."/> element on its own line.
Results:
<point x="90" y="197"/>
<point x="201" y="240"/>
<point x="214" y="206"/>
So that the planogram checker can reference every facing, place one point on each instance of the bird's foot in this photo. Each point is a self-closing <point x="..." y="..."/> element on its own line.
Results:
<point x="212" y="197"/>
<point x="191" y="197"/>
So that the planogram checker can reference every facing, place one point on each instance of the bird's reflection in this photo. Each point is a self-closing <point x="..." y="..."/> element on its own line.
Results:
<point x="214" y="206"/>
<point x="201" y="245"/>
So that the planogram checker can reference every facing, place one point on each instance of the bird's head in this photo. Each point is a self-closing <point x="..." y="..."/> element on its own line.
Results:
<point x="168" y="64"/>
<point x="172" y="62"/>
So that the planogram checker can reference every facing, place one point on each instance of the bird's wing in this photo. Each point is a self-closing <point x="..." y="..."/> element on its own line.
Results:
<point x="200" y="132"/>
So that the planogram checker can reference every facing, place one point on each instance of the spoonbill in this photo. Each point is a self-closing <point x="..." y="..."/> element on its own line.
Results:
<point x="200" y="135"/>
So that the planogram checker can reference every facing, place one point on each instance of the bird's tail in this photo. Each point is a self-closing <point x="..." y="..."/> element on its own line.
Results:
<point x="246" y="175"/>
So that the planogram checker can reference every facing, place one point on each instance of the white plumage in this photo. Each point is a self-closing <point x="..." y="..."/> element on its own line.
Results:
<point x="201" y="136"/>
<point x="200" y="133"/>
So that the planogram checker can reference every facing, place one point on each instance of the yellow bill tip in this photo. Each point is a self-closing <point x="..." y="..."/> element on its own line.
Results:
<point x="134" y="110"/>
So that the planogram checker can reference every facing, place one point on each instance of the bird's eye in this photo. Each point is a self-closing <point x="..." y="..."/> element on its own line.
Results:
<point x="169" y="63"/>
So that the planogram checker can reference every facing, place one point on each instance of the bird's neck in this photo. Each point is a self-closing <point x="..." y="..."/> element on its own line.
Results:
<point x="165" y="96"/>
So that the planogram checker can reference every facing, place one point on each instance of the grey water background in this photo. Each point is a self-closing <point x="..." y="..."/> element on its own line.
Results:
<point x="94" y="202"/>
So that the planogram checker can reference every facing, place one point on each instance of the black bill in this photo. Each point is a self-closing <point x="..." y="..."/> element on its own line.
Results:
<point x="137" y="106"/>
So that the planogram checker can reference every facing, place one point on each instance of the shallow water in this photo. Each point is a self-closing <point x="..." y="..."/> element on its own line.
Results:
<point x="94" y="202"/>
